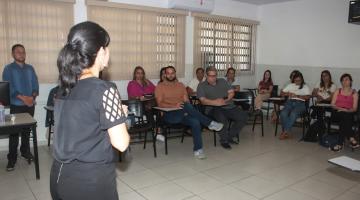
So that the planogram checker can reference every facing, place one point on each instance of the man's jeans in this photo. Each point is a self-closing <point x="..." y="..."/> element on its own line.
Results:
<point x="189" y="116"/>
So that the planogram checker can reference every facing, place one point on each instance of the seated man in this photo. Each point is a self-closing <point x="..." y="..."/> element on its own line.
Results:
<point x="216" y="94"/>
<point x="172" y="94"/>
<point x="191" y="88"/>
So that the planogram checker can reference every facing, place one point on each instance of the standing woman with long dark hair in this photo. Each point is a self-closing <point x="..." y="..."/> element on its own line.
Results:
<point x="89" y="120"/>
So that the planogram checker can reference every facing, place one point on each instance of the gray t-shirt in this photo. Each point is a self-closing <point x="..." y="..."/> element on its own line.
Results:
<point x="219" y="90"/>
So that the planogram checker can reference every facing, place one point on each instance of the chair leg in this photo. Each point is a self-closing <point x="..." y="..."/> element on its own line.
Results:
<point x="262" y="125"/>
<point x="154" y="142"/>
<point x="145" y="138"/>
<point x="49" y="135"/>
<point x="276" y="125"/>
<point x="183" y="136"/>
<point x="255" y="118"/>
<point x="166" y="140"/>
<point x="214" y="138"/>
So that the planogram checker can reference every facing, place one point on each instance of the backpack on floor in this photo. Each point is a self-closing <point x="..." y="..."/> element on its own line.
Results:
<point x="315" y="131"/>
<point x="329" y="140"/>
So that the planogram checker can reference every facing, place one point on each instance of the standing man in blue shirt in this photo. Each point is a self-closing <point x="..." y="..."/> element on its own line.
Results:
<point x="24" y="88"/>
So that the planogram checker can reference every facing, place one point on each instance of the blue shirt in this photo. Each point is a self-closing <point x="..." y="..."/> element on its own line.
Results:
<point x="23" y="81"/>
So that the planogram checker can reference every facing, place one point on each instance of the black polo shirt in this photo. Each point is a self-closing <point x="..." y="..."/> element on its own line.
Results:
<point x="82" y="120"/>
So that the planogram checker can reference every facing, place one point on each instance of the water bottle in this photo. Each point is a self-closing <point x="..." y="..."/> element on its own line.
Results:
<point x="2" y="114"/>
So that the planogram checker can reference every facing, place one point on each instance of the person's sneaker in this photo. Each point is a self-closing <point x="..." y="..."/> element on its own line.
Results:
<point x="28" y="156"/>
<point x="226" y="146"/>
<point x="232" y="141"/>
<point x="11" y="165"/>
<point x="199" y="154"/>
<point x="160" y="137"/>
<point x="216" y="126"/>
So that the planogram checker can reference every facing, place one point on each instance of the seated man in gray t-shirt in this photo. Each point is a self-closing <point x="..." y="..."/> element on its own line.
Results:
<point x="217" y="95"/>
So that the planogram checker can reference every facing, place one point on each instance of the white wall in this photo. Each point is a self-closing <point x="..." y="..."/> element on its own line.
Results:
<point x="308" y="33"/>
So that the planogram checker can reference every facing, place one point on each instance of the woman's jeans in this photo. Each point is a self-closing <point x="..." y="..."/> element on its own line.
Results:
<point x="292" y="110"/>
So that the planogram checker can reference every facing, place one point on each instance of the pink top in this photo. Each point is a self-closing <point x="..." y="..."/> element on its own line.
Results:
<point x="343" y="101"/>
<point x="135" y="89"/>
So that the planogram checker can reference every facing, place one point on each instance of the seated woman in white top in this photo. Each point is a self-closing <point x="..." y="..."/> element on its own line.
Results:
<point x="230" y="78"/>
<point x="324" y="90"/>
<point x="297" y="92"/>
<point x="192" y="86"/>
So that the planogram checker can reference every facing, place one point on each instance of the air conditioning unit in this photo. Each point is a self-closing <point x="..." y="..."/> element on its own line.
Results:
<point x="205" y="6"/>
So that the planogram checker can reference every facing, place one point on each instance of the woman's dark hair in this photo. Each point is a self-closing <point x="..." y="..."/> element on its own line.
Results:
<point x="322" y="83"/>
<point x="162" y="70"/>
<point x="229" y="69"/>
<point x="292" y="74"/>
<point x="199" y="69"/>
<point x="143" y="81"/>
<point x="83" y="42"/>
<point x="298" y="75"/>
<point x="270" y="79"/>
<point x="344" y="76"/>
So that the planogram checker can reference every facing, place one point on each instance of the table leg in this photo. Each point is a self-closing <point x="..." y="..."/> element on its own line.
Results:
<point x="36" y="156"/>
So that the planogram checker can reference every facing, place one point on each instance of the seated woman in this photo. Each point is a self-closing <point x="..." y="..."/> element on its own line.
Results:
<point x="273" y="115"/>
<point x="297" y="92"/>
<point x="345" y="104"/>
<point x="140" y="86"/>
<point x="230" y="78"/>
<point x="324" y="90"/>
<point x="264" y="90"/>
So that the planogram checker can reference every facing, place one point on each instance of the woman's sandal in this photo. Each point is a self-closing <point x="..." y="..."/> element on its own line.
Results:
<point x="336" y="148"/>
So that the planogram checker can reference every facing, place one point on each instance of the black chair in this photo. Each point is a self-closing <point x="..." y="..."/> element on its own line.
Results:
<point x="274" y="93"/>
<point x="143" y="123"/>
<point x="247" y="103"/>
<point x="49" y="119"/>
<point x="305" y="120"/>
<point x="169" y="129"/>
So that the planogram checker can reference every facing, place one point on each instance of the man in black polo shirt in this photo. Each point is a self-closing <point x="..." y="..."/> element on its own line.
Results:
<point x="217" y="95"/>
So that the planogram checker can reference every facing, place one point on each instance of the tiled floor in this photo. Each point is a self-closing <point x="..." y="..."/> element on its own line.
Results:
<point x="257" y="168"/>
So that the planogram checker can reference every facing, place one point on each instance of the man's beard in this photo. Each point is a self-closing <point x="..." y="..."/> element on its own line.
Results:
<point x="170" y="80"/>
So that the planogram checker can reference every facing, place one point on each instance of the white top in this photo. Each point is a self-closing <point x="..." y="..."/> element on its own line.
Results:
<point x="194" y="83"/>
<point x="235" y="83"/>
<point x="293" y="88"/>
<point x="325" y="92"/>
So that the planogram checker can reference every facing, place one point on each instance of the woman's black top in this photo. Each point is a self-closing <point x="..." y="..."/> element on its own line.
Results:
<point x="82" y="119"/>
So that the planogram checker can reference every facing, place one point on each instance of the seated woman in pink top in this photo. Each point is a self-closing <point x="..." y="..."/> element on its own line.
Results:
<point x="140" y="86"/>
<point x="345" y="104"/>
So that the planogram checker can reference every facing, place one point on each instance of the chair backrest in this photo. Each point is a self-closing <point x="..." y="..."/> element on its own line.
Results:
<point x="275" y="91"/>
<point x="135" y="106"/>
<point x="245" y="95"/>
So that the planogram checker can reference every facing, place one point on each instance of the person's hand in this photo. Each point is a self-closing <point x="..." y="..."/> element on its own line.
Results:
<point x="219" y="102"/>
<point x="125" y="109"/>
<point x="179" y="105"/>
<point x="291" y="95"/>
<point x="142" y="98"/>
<point x="28" y="100"/>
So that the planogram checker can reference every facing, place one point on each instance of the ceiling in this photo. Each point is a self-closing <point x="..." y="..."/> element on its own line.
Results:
<point x="261" y="2"/>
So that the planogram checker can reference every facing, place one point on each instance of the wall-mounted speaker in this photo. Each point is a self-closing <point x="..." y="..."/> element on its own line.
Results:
<point x="354" y="12"/>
